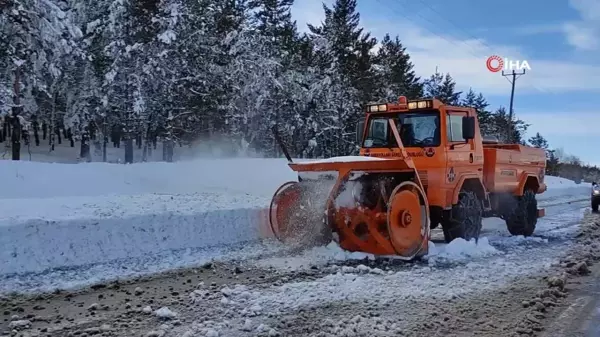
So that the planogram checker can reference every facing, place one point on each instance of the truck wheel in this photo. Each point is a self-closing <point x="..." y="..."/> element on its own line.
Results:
<point x="523" y="218"/>
<point x="594" y="205"/>
<point x="464" y="220"/>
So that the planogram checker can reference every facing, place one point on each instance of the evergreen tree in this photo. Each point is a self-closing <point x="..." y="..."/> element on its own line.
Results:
<point x="507" y="131"/>
<point x="350" y="46"/>
<point x="552" y="164"/>
<point x="343" y="58"/>
<point x="443" y="88"/>
<point x="538" y="141"/>
<point x="484" y="115"/>
<point x="395" y="73"/>
<point x="480" y="104"/>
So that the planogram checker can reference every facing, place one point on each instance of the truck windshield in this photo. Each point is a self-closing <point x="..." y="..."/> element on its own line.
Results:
<point x="416" y="130"/>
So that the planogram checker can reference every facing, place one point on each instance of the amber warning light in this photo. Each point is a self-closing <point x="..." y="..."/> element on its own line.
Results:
<point x="403" y="103"/>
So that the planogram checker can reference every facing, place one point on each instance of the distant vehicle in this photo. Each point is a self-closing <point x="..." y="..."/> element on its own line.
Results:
<point x="595" y="196"/>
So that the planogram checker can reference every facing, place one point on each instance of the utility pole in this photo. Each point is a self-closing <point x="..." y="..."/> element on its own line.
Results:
<point x="514" y="76"/>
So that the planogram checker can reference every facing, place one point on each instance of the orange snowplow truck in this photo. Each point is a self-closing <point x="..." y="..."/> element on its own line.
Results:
<point x="422" y="164"/>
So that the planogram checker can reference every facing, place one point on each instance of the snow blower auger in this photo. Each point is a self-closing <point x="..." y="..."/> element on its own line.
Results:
<point x="365" y="204"/>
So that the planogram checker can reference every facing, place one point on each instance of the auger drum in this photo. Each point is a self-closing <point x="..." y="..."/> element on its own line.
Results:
<point x="374" y="206"/>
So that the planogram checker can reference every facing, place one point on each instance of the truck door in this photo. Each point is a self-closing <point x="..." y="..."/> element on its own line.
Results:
<point x="460" y="152"/>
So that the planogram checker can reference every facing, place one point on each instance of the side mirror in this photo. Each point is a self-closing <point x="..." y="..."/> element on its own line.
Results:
<point x="360" y="128"/>
<point x="468" y="127"/>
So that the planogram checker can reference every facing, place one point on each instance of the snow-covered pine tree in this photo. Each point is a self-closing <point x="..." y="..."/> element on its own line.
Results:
<point x="40" y="40"/>
<point x="538" y="141"/>
<point x="442" y="87"/>
<point x="480" y="104"/>
<point x="506" y="130"/>
<point x="340" y="47"/>
<point x="395" y="74"/>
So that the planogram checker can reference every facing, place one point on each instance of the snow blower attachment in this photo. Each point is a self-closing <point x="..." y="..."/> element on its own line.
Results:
<point x="366" y="204"/>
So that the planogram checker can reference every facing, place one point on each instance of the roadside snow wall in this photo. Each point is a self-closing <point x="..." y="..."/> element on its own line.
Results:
<point x="24" y="179"/>
<point x="55" y="216"/>
<point x="38" y="234"/>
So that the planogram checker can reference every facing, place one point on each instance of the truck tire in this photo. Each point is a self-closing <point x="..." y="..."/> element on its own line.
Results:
<point x="594" y="205"/>
<point x="464" y="220"/>
<point x="523" y="218"/>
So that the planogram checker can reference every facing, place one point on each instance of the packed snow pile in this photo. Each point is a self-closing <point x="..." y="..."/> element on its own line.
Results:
<point x="564" y="189"/>
<point x="40" y="234"/>
<point x="259" y="177"/>
<point x="461" y="250"/>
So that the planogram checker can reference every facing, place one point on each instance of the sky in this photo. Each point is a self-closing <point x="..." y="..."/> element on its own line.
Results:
<point x="560" y="40"/>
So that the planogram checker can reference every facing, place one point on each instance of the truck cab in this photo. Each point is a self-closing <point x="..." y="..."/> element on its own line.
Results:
<point x="443" y="141"/>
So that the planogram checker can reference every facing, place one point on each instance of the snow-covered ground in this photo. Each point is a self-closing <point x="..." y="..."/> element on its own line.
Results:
<point x="68" y="225"/>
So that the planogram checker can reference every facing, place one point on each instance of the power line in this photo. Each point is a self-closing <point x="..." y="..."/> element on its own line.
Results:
<point x="445" y="17"/>
<point x="409" y="18"/>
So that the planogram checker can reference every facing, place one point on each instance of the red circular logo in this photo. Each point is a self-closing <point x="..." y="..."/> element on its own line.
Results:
<point x="490" y="63"/>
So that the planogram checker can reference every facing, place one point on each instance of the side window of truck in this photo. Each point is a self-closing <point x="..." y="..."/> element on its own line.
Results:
<point x="454" y="128"/>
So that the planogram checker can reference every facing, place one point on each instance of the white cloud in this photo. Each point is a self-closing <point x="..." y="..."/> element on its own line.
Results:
<point x="582" y="36"/>
<point x="465" y="59"/>
<point x="537" y="29"/>
<point x="562" y="124"/>
<point x="574" y="132"/>
<point x="585" y="33"/>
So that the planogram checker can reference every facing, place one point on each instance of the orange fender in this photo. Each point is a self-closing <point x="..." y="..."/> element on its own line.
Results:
<point x="523" y="180"/>
<point x="459" y="185"/>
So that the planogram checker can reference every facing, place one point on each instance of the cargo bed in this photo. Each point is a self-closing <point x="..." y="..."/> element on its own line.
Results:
<point x="507" y="166"/>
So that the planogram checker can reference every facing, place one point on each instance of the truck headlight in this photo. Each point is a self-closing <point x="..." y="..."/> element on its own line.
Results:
<point x="596" y="192"/>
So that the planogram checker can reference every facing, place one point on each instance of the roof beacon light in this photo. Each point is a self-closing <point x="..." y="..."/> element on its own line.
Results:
<point x="402" y="100"/>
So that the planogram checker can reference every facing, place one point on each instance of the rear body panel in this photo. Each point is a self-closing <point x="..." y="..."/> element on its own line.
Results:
<point x="507" y="167"/>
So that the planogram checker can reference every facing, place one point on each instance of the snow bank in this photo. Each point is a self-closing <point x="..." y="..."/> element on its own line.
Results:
<point x="25" y="179"/>
<point x="564" y="189"/>
<point x="461" y="250"/>
<point x="41" y="234"/>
